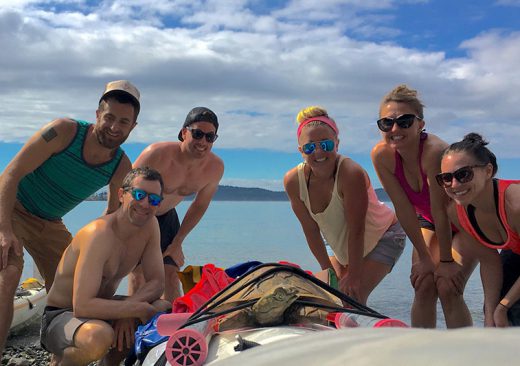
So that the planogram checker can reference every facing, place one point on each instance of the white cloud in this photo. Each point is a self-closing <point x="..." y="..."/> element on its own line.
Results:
<point x="508" y="2"/>
<point x="222" y="55"/>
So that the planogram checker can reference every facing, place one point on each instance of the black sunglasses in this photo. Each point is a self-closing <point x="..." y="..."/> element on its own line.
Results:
<point x="462" y="175"/>
<point x="403" y="121"/>
<point x="197" y="134"/>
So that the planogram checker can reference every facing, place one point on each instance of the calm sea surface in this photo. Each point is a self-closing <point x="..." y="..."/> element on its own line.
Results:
<point x="235" y="232"/>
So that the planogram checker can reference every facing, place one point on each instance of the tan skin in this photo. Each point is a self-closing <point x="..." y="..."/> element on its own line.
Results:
<point x="361" y="275"/>
<point x="187" y="167"/>
<point x="115" y="121"/>
<point x="429" y="247"/>
<point x="99" y="257"/>
<point x="479" y="193"/>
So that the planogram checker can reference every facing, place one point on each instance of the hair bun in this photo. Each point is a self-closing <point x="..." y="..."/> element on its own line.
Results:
<point x="475" y="139"/>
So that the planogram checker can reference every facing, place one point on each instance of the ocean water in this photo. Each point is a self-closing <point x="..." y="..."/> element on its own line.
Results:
<point x="235" y="232"/>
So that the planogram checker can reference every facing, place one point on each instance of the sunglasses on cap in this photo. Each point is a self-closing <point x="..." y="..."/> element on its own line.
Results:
<point x="462" y="175"/>
<point x="325" y="145"/>
<point x="197" y="134"/>
<point x="403" y="121"/>
<point x="139" y="194"/>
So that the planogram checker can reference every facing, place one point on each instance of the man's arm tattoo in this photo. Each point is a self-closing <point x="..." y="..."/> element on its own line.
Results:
<point x="49" y="134"/>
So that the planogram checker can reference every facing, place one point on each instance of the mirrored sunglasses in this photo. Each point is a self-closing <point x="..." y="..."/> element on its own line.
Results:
<point x="462" y="175"/>
<point x="197" y="134"/>
<point x="139" y="194"/>
<point x="325" y="145"/>
<point x="403" y="121"/>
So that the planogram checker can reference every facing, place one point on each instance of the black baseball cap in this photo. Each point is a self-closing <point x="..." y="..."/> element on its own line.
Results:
<point x="199" y="114"/>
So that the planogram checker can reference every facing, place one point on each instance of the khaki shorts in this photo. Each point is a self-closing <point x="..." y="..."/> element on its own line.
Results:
<point x="44" y="240"/>
<point x="58" y="329"/>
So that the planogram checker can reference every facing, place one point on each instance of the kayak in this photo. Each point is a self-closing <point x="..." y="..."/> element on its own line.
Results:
<point x="270" y="304"/>
<point x="366" y="347"/>
<point x="29" y="301"/>
<point x="322" y="326"/>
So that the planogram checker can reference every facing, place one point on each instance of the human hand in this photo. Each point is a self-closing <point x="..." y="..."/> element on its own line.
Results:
<point x="7" y="241"/>
<point x="351" y="285"/>
<point x="124" y="334"/>
<point x="146" y="312"/>
<point x="500" y="316"/>
<point x="174" y="251"/>
<point x="420" y="270"/>
<point x="452" y="273"/>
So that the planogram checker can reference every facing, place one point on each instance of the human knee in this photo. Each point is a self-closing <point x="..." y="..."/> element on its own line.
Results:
<point x="9" y="279"/>
<point x="445" y="290"/>
<point x="426" y="290"/>
<point x="96" y="338"/>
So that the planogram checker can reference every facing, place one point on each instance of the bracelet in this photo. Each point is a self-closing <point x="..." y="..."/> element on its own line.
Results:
<point x="504" y="305"/>
<point x="448" y="261"/>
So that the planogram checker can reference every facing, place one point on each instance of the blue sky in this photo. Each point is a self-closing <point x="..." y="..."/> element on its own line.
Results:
<point x="256" y="63"/>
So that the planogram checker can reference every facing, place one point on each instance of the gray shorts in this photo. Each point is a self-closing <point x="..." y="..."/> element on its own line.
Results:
<point x="390" y="247"/>
<point x="58" y="329"/>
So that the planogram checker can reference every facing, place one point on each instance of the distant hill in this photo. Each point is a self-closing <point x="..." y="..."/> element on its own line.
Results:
<point x="230" y="193"/>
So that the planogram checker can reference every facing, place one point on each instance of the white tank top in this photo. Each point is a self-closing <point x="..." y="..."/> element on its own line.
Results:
<point x="333" y="225"/>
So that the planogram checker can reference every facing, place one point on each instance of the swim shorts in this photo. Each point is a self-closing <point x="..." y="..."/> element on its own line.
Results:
<point x="511" y="268"/>
<point x="169" y="225"/>
<point x="390" y="247"/>
<point x="58" y="329"/>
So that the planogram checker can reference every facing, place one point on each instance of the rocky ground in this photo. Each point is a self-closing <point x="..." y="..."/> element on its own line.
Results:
<point x="23" y="349"/>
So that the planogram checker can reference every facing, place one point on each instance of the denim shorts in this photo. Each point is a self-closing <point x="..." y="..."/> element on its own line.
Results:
<point x="388" y="249"/>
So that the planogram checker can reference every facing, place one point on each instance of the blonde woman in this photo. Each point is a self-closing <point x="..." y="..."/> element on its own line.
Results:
<point x="335" y="203"/>
<point x="407" y="159"/>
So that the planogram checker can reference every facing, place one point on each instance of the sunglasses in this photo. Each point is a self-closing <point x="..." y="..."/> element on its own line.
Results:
<point x="197" y="134"/>
<point x="325" y="145"/>
<point x="462" y="175"/>
<point x="403" y="121"/>
<point x="139" y="194"/>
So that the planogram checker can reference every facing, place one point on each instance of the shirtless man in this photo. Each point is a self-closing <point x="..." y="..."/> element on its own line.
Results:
<point x="187" y="167"/>
<point x="83" y="321"/>
<point x="61" y="165"/>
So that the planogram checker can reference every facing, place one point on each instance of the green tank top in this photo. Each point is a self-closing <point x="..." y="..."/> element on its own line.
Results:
<point x="65" y="179"/>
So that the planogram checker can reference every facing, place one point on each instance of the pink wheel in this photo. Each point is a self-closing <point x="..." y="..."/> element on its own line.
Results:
<point x="186" y="348"/>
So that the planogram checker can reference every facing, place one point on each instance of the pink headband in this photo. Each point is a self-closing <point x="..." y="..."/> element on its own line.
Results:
<point x="323" y="119"/>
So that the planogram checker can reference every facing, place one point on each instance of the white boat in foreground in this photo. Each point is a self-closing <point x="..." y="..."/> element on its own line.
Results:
<point x="29" y="301"/>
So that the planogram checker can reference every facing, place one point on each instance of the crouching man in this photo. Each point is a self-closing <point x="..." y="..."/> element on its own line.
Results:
<point x="83" y="320"/>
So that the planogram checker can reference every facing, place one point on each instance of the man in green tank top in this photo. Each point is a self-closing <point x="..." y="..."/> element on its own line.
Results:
<point x="59" y="167"/>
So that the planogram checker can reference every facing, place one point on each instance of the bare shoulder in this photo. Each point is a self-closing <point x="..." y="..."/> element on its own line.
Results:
<point x="432" y="154"/>
<point x="352" y="177"/>
<point x="290" y="180"/>
<point x="60" y="129"/>
<point x="157" y="153"/>
<point x="216" y="164"/>
<point x="95" y="233"/>
<point x="383" y="155"/>
<point x="512" y="205"/>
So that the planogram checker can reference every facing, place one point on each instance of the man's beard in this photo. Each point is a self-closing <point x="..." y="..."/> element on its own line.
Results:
<point x="107" y="141"/>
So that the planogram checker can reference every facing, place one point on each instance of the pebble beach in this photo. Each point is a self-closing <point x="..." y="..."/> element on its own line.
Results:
<point x="23" y="349"/>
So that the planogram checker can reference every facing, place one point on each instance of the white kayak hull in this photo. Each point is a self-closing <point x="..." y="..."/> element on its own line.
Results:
<point x="381" y="346"/>
<point x="28" y="307"/>
<point x="222" y="345"/>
